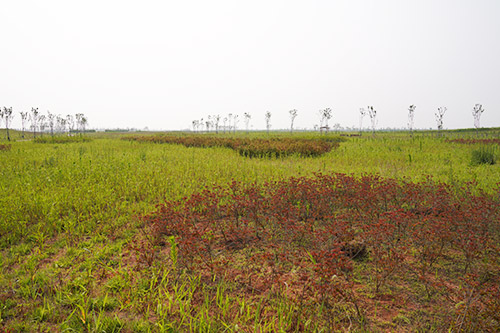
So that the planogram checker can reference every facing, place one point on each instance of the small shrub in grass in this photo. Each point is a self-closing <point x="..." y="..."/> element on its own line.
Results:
<point x="483" y="155"/>
<point x="5" y="147"/>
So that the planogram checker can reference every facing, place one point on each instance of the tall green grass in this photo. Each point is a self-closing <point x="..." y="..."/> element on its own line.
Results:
<point x="483" y="155"/>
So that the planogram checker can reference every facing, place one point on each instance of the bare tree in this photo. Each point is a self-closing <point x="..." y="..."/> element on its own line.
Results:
<point x="7" y="115"/>
<point x="216" y="123"/>
<point x="439" y="117"/>
<point x="247" y="117"/>
<point x="268" y="121"/>
<point x="337" y="127"/>
<point x="42" y="123"/>
<point x="195" y="125"/>
<point x="235" y="122"/>
<point x="79" y="122"/>
<point x="34" y="120"/>
<point x="325" y="115"/>
<point x="229" y="121"/>
<point x="476" y="113"/>
<point x="24" y="117"/>
<point x="208" y="123"/>
<point x="70" y="120"/>
<point x="293" y="115"/>
<point x="225" y="124"/>
<point x="201" y="124"/>
<point x="60" y="124"/>
<point x="50" y="121"/>
<point x="411" y="113"/>
<point x="362" y="113"/>
<point x="84" y="121"/>
<point x="373" y="117"/>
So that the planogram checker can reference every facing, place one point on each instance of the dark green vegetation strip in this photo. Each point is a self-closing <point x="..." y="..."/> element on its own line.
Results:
<point x="62" y="139"/>
<point x="472" y="141"/>
<point x="252" y="147"/>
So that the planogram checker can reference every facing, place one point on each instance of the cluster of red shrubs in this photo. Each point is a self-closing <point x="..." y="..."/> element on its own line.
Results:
<point x="5" y="147"/>
<point x="475" y="141"/>
<point x="251" y="147"/>
<point x="306" y="235"/>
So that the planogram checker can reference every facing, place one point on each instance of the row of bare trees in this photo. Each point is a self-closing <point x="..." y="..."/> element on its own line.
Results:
<point x="217" y="123"/>
<point x="40" y="123"/>
<point x="476" y="113"/>
<point x="230" y="122"/>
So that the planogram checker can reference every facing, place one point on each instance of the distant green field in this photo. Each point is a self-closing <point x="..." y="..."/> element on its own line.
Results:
<point x="71" y="221"/>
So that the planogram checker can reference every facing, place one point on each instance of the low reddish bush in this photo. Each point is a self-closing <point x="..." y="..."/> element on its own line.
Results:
<point x="5" y="147"/>
<point x="429" y="233"/>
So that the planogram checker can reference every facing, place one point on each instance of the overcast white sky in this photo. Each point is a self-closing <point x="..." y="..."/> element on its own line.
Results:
<point x="163" y="64"/>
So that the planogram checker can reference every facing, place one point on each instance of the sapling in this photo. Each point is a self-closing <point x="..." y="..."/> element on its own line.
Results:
<point x="225" y="124"/>
<point x="79" y="117"/>
<point x="268" y="121"/>
<point x="42" y="123"/>
<point x="411" y="112"/>
<point x="34" y="120"/>
<point x="362" y="113"/>
<point x="477" y="110"/>
<point x="325" y="115"/>
<point x="61" y="124"/>
<point x="247" y="117"/>
<point x="24" y="117"/>
<point x="216" y="123"/>
<point x="439" y="117"/>
<point x="373" y="117"/>
<point x="235" y="122"/>
<point x="84" y="122"/>
<point x="229" y="121"/>
<point x="8" y="115"/>
<point x="70" y="120"/>
<point x="208" y="123"/>
<point x="51" y="122"/>
<point x="293" y="115"/>
<point x="337" y="127"/>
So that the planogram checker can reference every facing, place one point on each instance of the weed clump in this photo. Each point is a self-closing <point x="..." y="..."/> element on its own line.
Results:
<point x="483" y="155"/>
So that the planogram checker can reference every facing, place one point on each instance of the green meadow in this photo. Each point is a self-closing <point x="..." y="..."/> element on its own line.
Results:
<point x="72" y="231"/>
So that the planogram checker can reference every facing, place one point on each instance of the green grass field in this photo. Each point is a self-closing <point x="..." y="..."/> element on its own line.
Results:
<point x="72" y="231"/>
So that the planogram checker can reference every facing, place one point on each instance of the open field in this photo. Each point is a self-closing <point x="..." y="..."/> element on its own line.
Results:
<point x="380" y="233"/>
